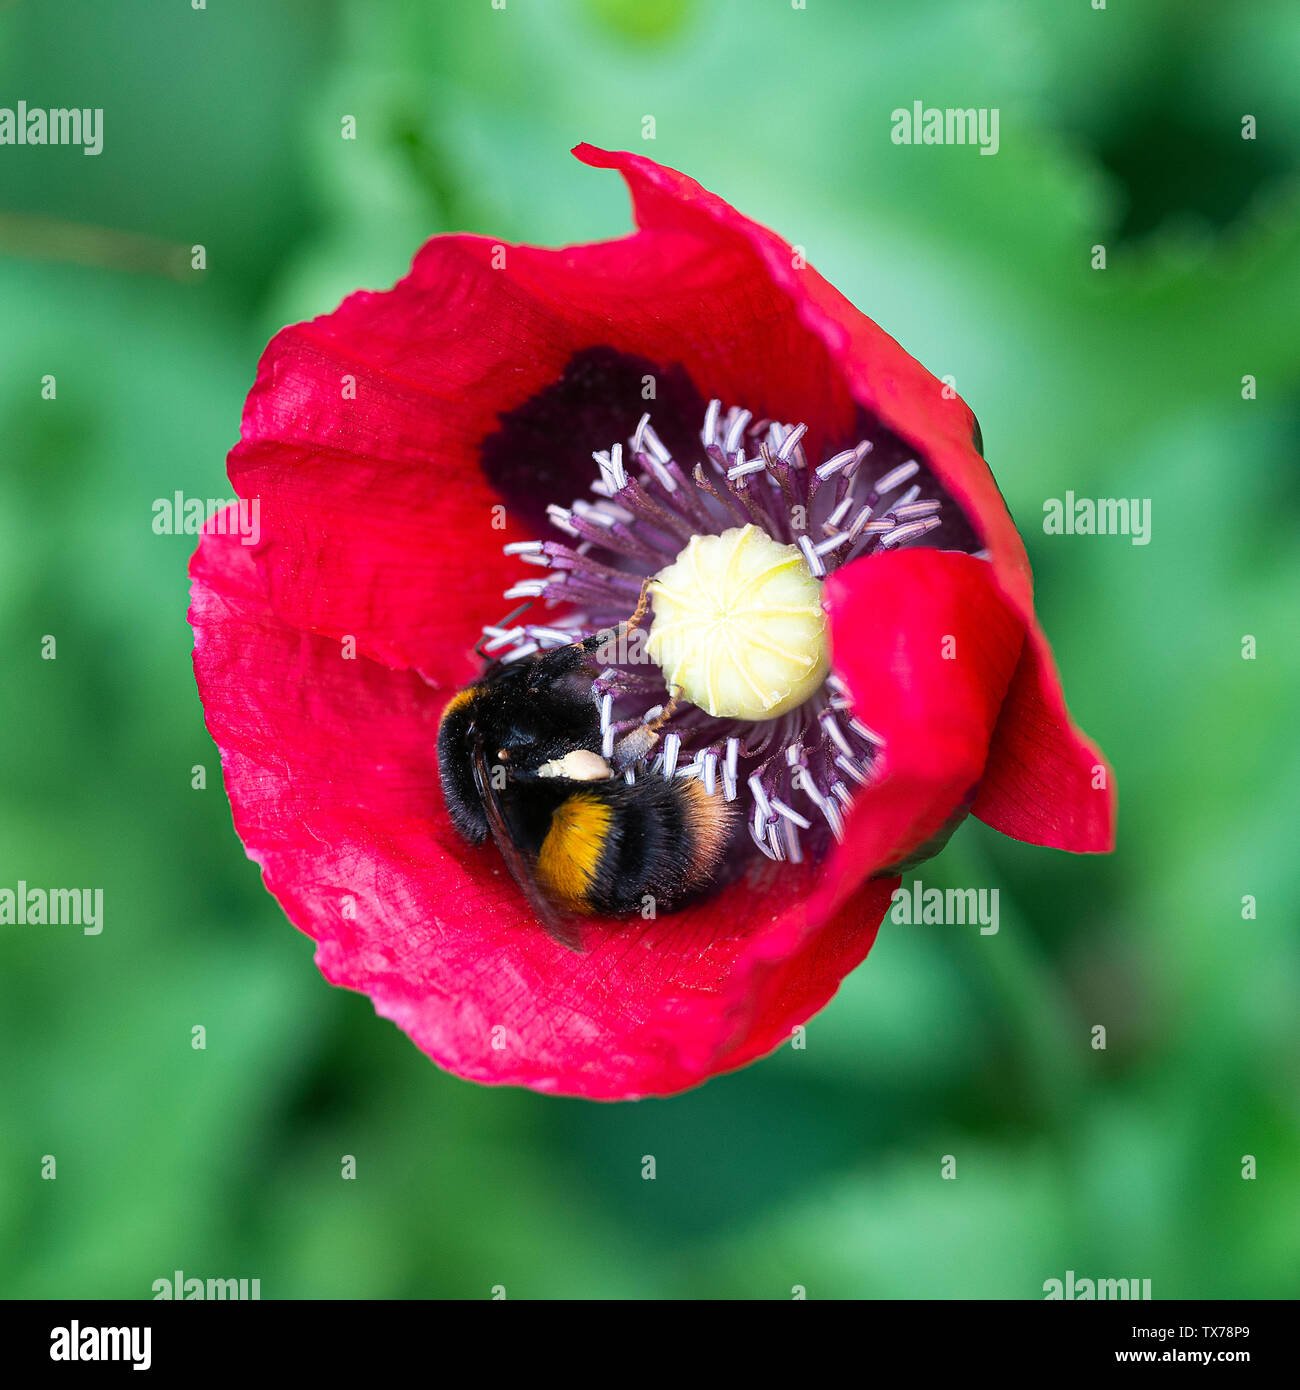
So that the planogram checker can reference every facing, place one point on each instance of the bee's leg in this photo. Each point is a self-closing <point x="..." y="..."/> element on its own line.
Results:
<point x="665" y="714"/>
<point x="638" y="742"/>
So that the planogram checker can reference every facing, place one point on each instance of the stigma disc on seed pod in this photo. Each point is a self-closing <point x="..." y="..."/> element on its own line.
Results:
<point x="738" y="625"/>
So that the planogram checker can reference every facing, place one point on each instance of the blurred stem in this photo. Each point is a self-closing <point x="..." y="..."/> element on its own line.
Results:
<point x="1048" y="1033"/>
<point x="51" y="239"/>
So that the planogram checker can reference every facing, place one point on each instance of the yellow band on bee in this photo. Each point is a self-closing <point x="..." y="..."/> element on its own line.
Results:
<point x="566" y="865"/>
<point x="460" y="698"/>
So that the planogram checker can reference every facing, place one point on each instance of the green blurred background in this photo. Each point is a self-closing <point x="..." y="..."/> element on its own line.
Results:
<point x="818" y="1168"/>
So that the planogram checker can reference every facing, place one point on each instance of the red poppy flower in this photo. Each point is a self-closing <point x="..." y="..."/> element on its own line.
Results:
<point x="399" y="444"/>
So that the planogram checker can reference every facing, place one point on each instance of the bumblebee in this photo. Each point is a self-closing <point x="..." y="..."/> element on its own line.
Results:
<point x="519" y="754"/>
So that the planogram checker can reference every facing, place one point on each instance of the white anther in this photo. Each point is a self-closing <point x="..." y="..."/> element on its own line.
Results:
<point x="760" y="840"/>
<point x="790" y="814"/>
<point x="761" y="802"/>
<point x="710" y="776"/>
<point x="811" y="555"/>
<point x="897" y="476"/>
<point x="831" y="725"/>
<point x="528" y="588"/>
<point x="562" y="517"/>
<point x="596" y="515"/>
<point x="910" y="532"/>
<point x="788" y="443"/>
<point x="735" y="431"/>
<point x="856" y="772"/>
<point x="709" y="434"/>
<point x="654" y="445"/>
<point x="665" y="477"/>
<point x="833" y="465"/>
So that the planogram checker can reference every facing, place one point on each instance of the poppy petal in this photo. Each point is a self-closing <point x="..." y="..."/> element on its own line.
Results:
<point x="926" y="645"/>
<point x="436" y="932"/>
<point x="1045" y="781"/>
<point x="846" y="346"/>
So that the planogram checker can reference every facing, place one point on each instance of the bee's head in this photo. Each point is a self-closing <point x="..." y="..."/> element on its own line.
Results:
<point x="536" y="709"/>
<point x="519" y="716"/>
<point x="458" y="739"/>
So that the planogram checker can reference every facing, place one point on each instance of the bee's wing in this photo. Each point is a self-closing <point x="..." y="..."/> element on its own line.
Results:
<point x="521" y="870"/>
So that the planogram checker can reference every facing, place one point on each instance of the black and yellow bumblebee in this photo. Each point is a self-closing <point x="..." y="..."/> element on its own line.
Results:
<point x="519" y="753"/>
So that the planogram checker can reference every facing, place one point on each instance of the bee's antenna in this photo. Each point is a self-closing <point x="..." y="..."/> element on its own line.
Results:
<point x="505" y="622"/>
<point x="616" y="634"/>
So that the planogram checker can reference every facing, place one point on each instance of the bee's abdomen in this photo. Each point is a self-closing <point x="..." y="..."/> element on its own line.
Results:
<point x="613" y="849"/>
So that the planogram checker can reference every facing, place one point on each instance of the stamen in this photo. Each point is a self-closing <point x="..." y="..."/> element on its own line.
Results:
<point x="781" y="808"/>
<point x="561" y="517"/>
<point x="761" y="803"/>
<point x="710" y="772"/>
<point x="643" y="507"/>
<point x="900" y="534"/>
<point x="745" y="467"/>
<point x="828" y="722"/>
<point x="709" y="434"/>
<point x="756" y="834"/>
<point x="791" y="439"/>
<point x="774" y="839"/>
<point x="527" y="588"/>
<point x="653" y="443"/>
<point x="896" y="477"/>
<point x="862" y="731"/>
<point x="833" y="465"/>
<point x="501" y="637"/>
<point x="813" y="558"/>
<point x="854" y="771"/>
<point x="736" y="432"/>
<point x="519" y="653"/>
<point x="906" y="511"/>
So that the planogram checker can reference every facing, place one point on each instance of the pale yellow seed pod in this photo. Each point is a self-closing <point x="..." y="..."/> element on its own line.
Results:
<point x="738" y="625"/>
